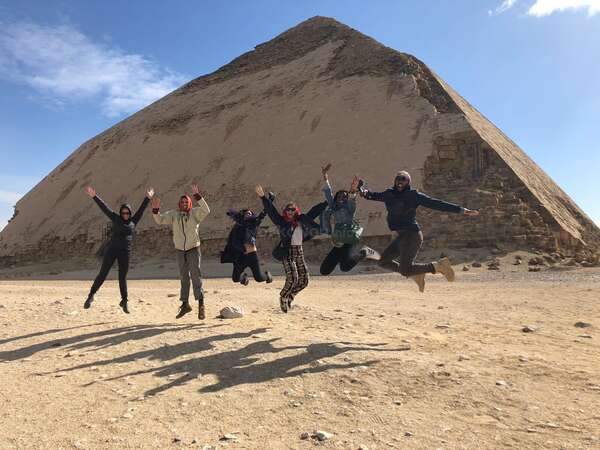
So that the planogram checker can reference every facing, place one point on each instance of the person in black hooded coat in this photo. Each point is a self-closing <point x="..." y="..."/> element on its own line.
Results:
<point x="119" y="245"/>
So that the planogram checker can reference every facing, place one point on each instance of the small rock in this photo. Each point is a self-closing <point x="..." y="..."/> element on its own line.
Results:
<point x="68" y="298"/>
<point x="501" y="383"/>
<point x="363" y="447"/>
<point x="304" y="436"/>
<point x="528" y="329"/>
<point x="322" y="435"/>
<point x="176" y="439"/>
<point x="228" y="437"/>
<point x="171" y="295"/>
<point x="397" y="402"/>
<point x="408" y="434"/>
<point x="442" y="326"/>
<point x="463" y="358"/>
<point x="232" y="312"/>
<point x="476" y="264"/>
<point x="465" y="268"/>
<point x="582" y="325"/>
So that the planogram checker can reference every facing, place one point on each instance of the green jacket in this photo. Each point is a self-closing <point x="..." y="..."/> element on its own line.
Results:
<point x="185" y="225"/>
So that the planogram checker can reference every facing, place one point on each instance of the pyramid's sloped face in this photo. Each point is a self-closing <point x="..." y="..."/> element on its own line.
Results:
<point x="276" y="127"/>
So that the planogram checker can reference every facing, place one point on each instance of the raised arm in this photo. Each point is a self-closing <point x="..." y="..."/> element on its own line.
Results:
<point x="327" y="187"/>
<point x="269" y="207"/>
<point x="160" y="218"/>
<point x="439" y="205"/>
<point x="202" y="210"/>
<point x="105" y="209"/>
<point x="140" y="212"/>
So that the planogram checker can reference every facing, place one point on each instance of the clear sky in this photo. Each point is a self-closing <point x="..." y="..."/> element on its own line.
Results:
<point x="69" y="69"/>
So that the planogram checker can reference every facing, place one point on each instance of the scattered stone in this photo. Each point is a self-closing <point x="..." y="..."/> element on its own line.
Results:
<point x="397" y="402"/>
<point x="529" y="329"/>
<point x="322" y="435"/>
<point x="463" y="358"/>
<point x="582" y="325"/>
<point x="232" y="312"/>
<point x="476" y="264"/>
<point x="442" y="326"/>
<point x="465" y="268"/>
<point x="171" y="295"/>
<point x="176" y="440"/>
<point x="494" y="265"/>
<point x="408" y="434"/>
<point x="304" y="436"/>
<point x="363" y="447"/>
<point x="68" y="298"/>
<point x="228" y="437"/>
<point x="501" y="383"/>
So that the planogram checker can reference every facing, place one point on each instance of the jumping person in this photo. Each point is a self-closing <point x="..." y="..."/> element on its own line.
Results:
<point x="119" y="245"/>
<point x="346" y="232"/>
<point x="294" y="229"/>
<point x="241" y="247"/>
<point x="401" y="202"/>
<point x="185" y="222"/>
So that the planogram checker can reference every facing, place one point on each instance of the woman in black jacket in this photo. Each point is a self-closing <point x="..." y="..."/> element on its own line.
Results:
<point x="294" y="229"/>
<point x="119" y="246"/>
<point x="241" y="247"/>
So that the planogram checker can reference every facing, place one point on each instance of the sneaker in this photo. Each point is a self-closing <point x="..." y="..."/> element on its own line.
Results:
<point x="88" y="302"/>
<point x="284" y="304"/>
<point x="290" y="300"/>
<point x="369" y="253"/>
<point x="445" y="268"/>
<point x="420" y="280"/>
<point x="123" y="305"/>
<point x="201" y="311"/>
<point x="183" y="310"/>
<point x="269" y="277"/>
<point x="244" y="279"/>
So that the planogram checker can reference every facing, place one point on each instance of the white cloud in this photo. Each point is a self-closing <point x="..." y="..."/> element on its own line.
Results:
<point x="62" y="64"/>
<point x="505" y="6"/>
<point x="543" y="8"/>
<point x="9" y="197"/>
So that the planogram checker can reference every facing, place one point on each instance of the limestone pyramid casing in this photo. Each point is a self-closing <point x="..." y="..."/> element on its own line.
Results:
<point x="320" y="92"/>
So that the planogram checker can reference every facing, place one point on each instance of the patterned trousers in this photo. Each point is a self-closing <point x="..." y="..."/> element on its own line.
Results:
<point x="296" y="273"/>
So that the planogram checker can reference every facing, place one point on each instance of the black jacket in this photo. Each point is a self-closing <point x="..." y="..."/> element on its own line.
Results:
<point x="243" y="232"/>
<point x="402" y="206"/>
<point x="307" y="221"/>
<point x="122" y="231"/>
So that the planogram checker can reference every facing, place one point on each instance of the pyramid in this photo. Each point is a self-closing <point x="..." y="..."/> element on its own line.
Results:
<point x="320" y="92"/>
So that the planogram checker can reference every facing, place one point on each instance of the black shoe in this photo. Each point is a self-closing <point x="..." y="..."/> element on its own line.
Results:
<point x="183" y="310"/>
<point x="269" y="277"/>
<point x="284" y="304"/>
<point x="123" y="305"/>
<point x="244" y="279"/>
<point x="88" y="302"/>
<point x="201" y="311"/>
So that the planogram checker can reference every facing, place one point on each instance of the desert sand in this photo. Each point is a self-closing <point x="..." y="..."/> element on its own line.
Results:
<point x="365" y="358"/>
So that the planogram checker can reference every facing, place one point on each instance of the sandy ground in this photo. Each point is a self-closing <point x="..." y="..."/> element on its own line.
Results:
<point x="366" y="358"/>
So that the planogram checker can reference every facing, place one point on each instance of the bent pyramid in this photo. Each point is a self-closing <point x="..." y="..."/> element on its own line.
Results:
<point x="319" y="92"/>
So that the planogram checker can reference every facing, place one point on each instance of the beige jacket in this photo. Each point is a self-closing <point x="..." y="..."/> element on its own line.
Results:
<point x="185" y="225"/>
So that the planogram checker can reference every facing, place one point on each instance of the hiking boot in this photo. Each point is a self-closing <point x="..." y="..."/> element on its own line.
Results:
<point x="284" y="304"/>
<point x="183" y="310"/>
<point x="444" y="267"/>
<point x="269" y="277"/>
<point x="201" y="311"/>
<point x="369" y="253"/>
<point x="244" y="279"/>
<point x="123" y="305"/>
<point x="88" y="302"/>
<point x="420" y="280"/>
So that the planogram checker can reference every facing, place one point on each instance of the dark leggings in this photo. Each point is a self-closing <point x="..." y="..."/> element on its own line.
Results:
<point x="346" y="256"/>
<point x="400" y="255"/>
<point x="248" y="260"/>
<point x="110" y="254"/>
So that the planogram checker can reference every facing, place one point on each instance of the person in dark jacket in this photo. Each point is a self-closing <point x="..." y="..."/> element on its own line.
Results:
<point x="346" y="232"/>
<point x="295" y="228"/>
<point x="119" y="245"/>
<point x="241" y="247"/>
<point x="401" y="202"/>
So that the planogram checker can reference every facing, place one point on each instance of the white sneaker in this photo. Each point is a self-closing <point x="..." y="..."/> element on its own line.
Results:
<point x="369" y="253"/>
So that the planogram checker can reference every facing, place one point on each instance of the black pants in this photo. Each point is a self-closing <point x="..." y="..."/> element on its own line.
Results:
<point x="248" y="260"/>
<point x="346" y="256"/>
<point x="122" y="257"/>
<point x="401" y="253"/>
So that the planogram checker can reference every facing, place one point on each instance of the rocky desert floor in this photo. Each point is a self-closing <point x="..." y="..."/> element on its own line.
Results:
<point x="366" y="359"/>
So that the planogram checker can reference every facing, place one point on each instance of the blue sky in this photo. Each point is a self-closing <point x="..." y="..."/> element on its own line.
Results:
<point x="69" y="69"/>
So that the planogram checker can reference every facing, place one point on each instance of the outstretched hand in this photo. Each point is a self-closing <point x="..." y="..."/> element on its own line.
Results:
<point x="354" y="184"/>
<point x="155" y="203"/>
<point x="90" y="191"/>
<point x="195" y="189"/>
<point x="150" y="193"/>
<point x="259" y="191"/>
<point x="471" y="212"/>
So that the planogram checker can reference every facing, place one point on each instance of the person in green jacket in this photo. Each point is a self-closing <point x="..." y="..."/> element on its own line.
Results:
<point x="185" y="222"/>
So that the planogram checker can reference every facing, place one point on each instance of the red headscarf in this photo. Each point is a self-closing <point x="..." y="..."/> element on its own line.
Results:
<point x="190" y="204"/>
<point x="294" y="219"/>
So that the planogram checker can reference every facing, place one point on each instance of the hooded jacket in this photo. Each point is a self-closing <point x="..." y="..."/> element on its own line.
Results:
<point x="185" y="224"/>
<point x="402" y="206"/>
<point x="122" y="231"/>
<point x="307" y="221"/>
<point x="243" y="233"/>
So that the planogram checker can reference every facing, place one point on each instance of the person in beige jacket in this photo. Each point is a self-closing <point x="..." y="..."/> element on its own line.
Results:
<point x="185" y="222"/>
